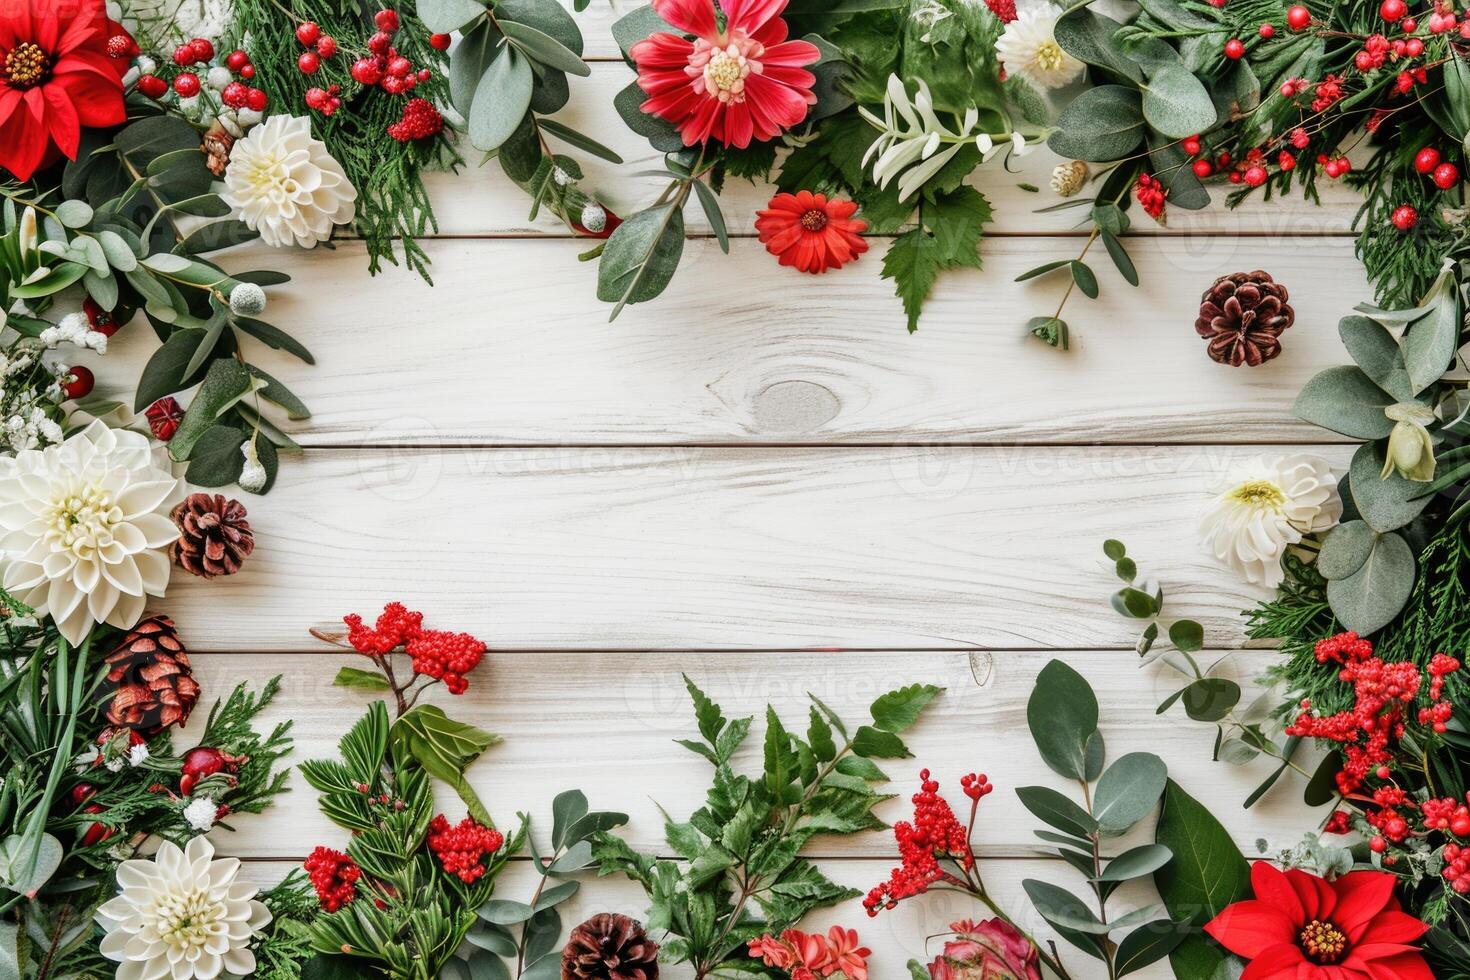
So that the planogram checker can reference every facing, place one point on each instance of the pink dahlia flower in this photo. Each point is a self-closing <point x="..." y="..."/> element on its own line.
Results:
<point x="744" y="82"/>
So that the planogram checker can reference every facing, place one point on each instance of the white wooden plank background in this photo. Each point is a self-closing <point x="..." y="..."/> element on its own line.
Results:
<point x="763" y="481"/>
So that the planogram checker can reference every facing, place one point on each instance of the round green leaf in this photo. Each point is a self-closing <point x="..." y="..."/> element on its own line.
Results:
<point x="1345" y="550"/>
<point x="1210" y="698"/>
<point x="1344" y="399"/>
<point x="1386" y="503"/>
<point x="1372" y="596"/>
<point x="1177" y="104"/>
<point x="1102" y="124"/>
<point x="445" y="16"/>
<point x="501" y="100"/>
<point x="1187" y="635"/>
<point x="1128" y="790"/>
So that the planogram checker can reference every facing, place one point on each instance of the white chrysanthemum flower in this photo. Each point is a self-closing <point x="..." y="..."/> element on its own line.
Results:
<point x="83" y="526"/>
<point x="286" y="185"/>
<point x="200" y="813"/>
<point x="1028" y="47"/>
<point x="1266" y="505"/>
<point x="137" y="755"/>
<point x="182" y="916"/>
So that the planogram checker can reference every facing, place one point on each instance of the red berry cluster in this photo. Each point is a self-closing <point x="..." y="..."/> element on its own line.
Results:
<point x="385" y="66"/>
<point x="446" y="656"/>
<point x="164" y="417"/>
<point x="1150" y="194"/>
<point x="395" y="626"/>
<point x="934" y="833"/>
<point x="334" y="875"/>
<point x="1457" y="867"/>
<point x="324" y="100"/>
<point x="461" y="847"/>
<point x="439" y="654"/>
<point x="420" y="120"/>
<point x="238" y="94"/>
<point x="320" y="46"/>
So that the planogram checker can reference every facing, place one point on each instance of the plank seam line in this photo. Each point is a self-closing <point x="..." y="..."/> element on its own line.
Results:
<point x="755" y="445"/>
<point x="729" y="651"/>
<point x="1177" y="235"/>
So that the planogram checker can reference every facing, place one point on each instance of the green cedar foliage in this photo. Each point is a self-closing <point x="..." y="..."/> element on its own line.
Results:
<point x="739" y="871"/>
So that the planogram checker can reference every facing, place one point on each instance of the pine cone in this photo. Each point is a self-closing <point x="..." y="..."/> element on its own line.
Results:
<point x="609" y="947"/>
<point x="217" y="146"/>
<point x="1242" y="316"/>
<point x="153" y="681"/>
<point x="214" y="537"/>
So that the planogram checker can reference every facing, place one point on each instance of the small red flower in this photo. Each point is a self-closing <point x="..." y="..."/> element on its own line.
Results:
<point x="55" y="78"/>
<point x="811" y="233"/>
<point x="1301" y="927"/>
<point x="737" y="79"/>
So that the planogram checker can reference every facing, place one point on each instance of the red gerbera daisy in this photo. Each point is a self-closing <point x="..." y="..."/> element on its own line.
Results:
<point x="810" y="232"/>
<point x="55" y="78"/>
<point x="1301" y="927"/>
<point x="742" y="82"/>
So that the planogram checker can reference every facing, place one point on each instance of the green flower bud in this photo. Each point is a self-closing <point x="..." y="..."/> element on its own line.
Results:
<point x="1410" y="447"/>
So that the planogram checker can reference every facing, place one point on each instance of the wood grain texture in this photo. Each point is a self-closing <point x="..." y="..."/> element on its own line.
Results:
<point x="715" y="548"/>
<point x="513" y="348"/>
<point x="483" y="201"/>
<point x="894" y="937"/>
<point x="605" y="724"/>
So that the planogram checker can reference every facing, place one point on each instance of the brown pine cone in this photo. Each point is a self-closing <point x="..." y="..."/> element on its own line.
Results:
<point x="609" y="947"/>
<point x="214" y="537"/>
<point x="152" y="679"/>
<point x="1242" y="316"/>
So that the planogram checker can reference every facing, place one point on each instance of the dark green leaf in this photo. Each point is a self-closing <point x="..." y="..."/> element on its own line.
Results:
<point x="1062" y="714"/>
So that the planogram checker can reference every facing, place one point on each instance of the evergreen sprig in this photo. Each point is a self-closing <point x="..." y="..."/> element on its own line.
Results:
<point x="739" y="871"/>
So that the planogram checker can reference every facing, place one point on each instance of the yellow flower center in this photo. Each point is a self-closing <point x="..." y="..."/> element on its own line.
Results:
<point x="1050" y="57"/>
<point x="1322" y="942"/>
<point x="1262" y="494"/>
<point x="723" y="68"/>
<point x="83" y="521"/>
<point x="814" y="220"/>
<point x="186" y="921"/>
<point x="270" y="177"/>
<point x="25" y="65"/>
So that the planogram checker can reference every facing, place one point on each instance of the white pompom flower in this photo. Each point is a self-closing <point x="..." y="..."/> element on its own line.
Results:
<point x="286" y="186"/>
<point x="1028" y="47"/>
<point x="84" y="525"/>
<point x="1263" y="507"/>
<point x="182" y="916"/>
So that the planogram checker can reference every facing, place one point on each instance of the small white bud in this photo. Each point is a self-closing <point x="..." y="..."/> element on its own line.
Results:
<point x="220" y="76"/>
<point x="253" y="476"/>
<point x="594" y="217"/>
<point x="247" y="299"/>
<point x="561" y="177"/>
<point x="145" y="64"/>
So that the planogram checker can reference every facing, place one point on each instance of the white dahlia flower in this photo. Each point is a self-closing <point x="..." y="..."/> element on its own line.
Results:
<point x="83" y="525"/>
<point x="1266" y="505"/>
<point x="1028" y="47"/>
<point x="182" y="916"/>
<point x="286" y="185"/>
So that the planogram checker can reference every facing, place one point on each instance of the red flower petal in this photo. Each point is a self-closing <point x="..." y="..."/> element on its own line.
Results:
<point x="697" y="17"/>
<point x="98" y="100"/>
<point x="751" y="15"/>
<point x="1392" y="927"/>
<point x="1250" y="927"/>
<point x="63" y="125"/>
<point x="1360" y="896"/>
<point x="663" y="50"/>
<point x="1405" y="966"/>
<point x="1283" y="962"/>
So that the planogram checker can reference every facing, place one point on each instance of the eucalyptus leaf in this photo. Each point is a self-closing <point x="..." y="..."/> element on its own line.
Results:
<point x="1372" y="596"/>
<point x="1177" y="104"/>
<point x="447" y="16"/>
<point x="1386" y="503"/>
<point x="1128" y="791"/>
<point x="1345" y="400"/>
<point x="1346" y="549"/>
<point x="501" y="100"/>
<point x="1102" y="124"/>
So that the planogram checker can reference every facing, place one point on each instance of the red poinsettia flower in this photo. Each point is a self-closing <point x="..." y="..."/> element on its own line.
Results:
<point x="733" y="84"/>
<point x="56" y="78"/>
<point x="810" y="232"/>
<point x="1301" y="927"/>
